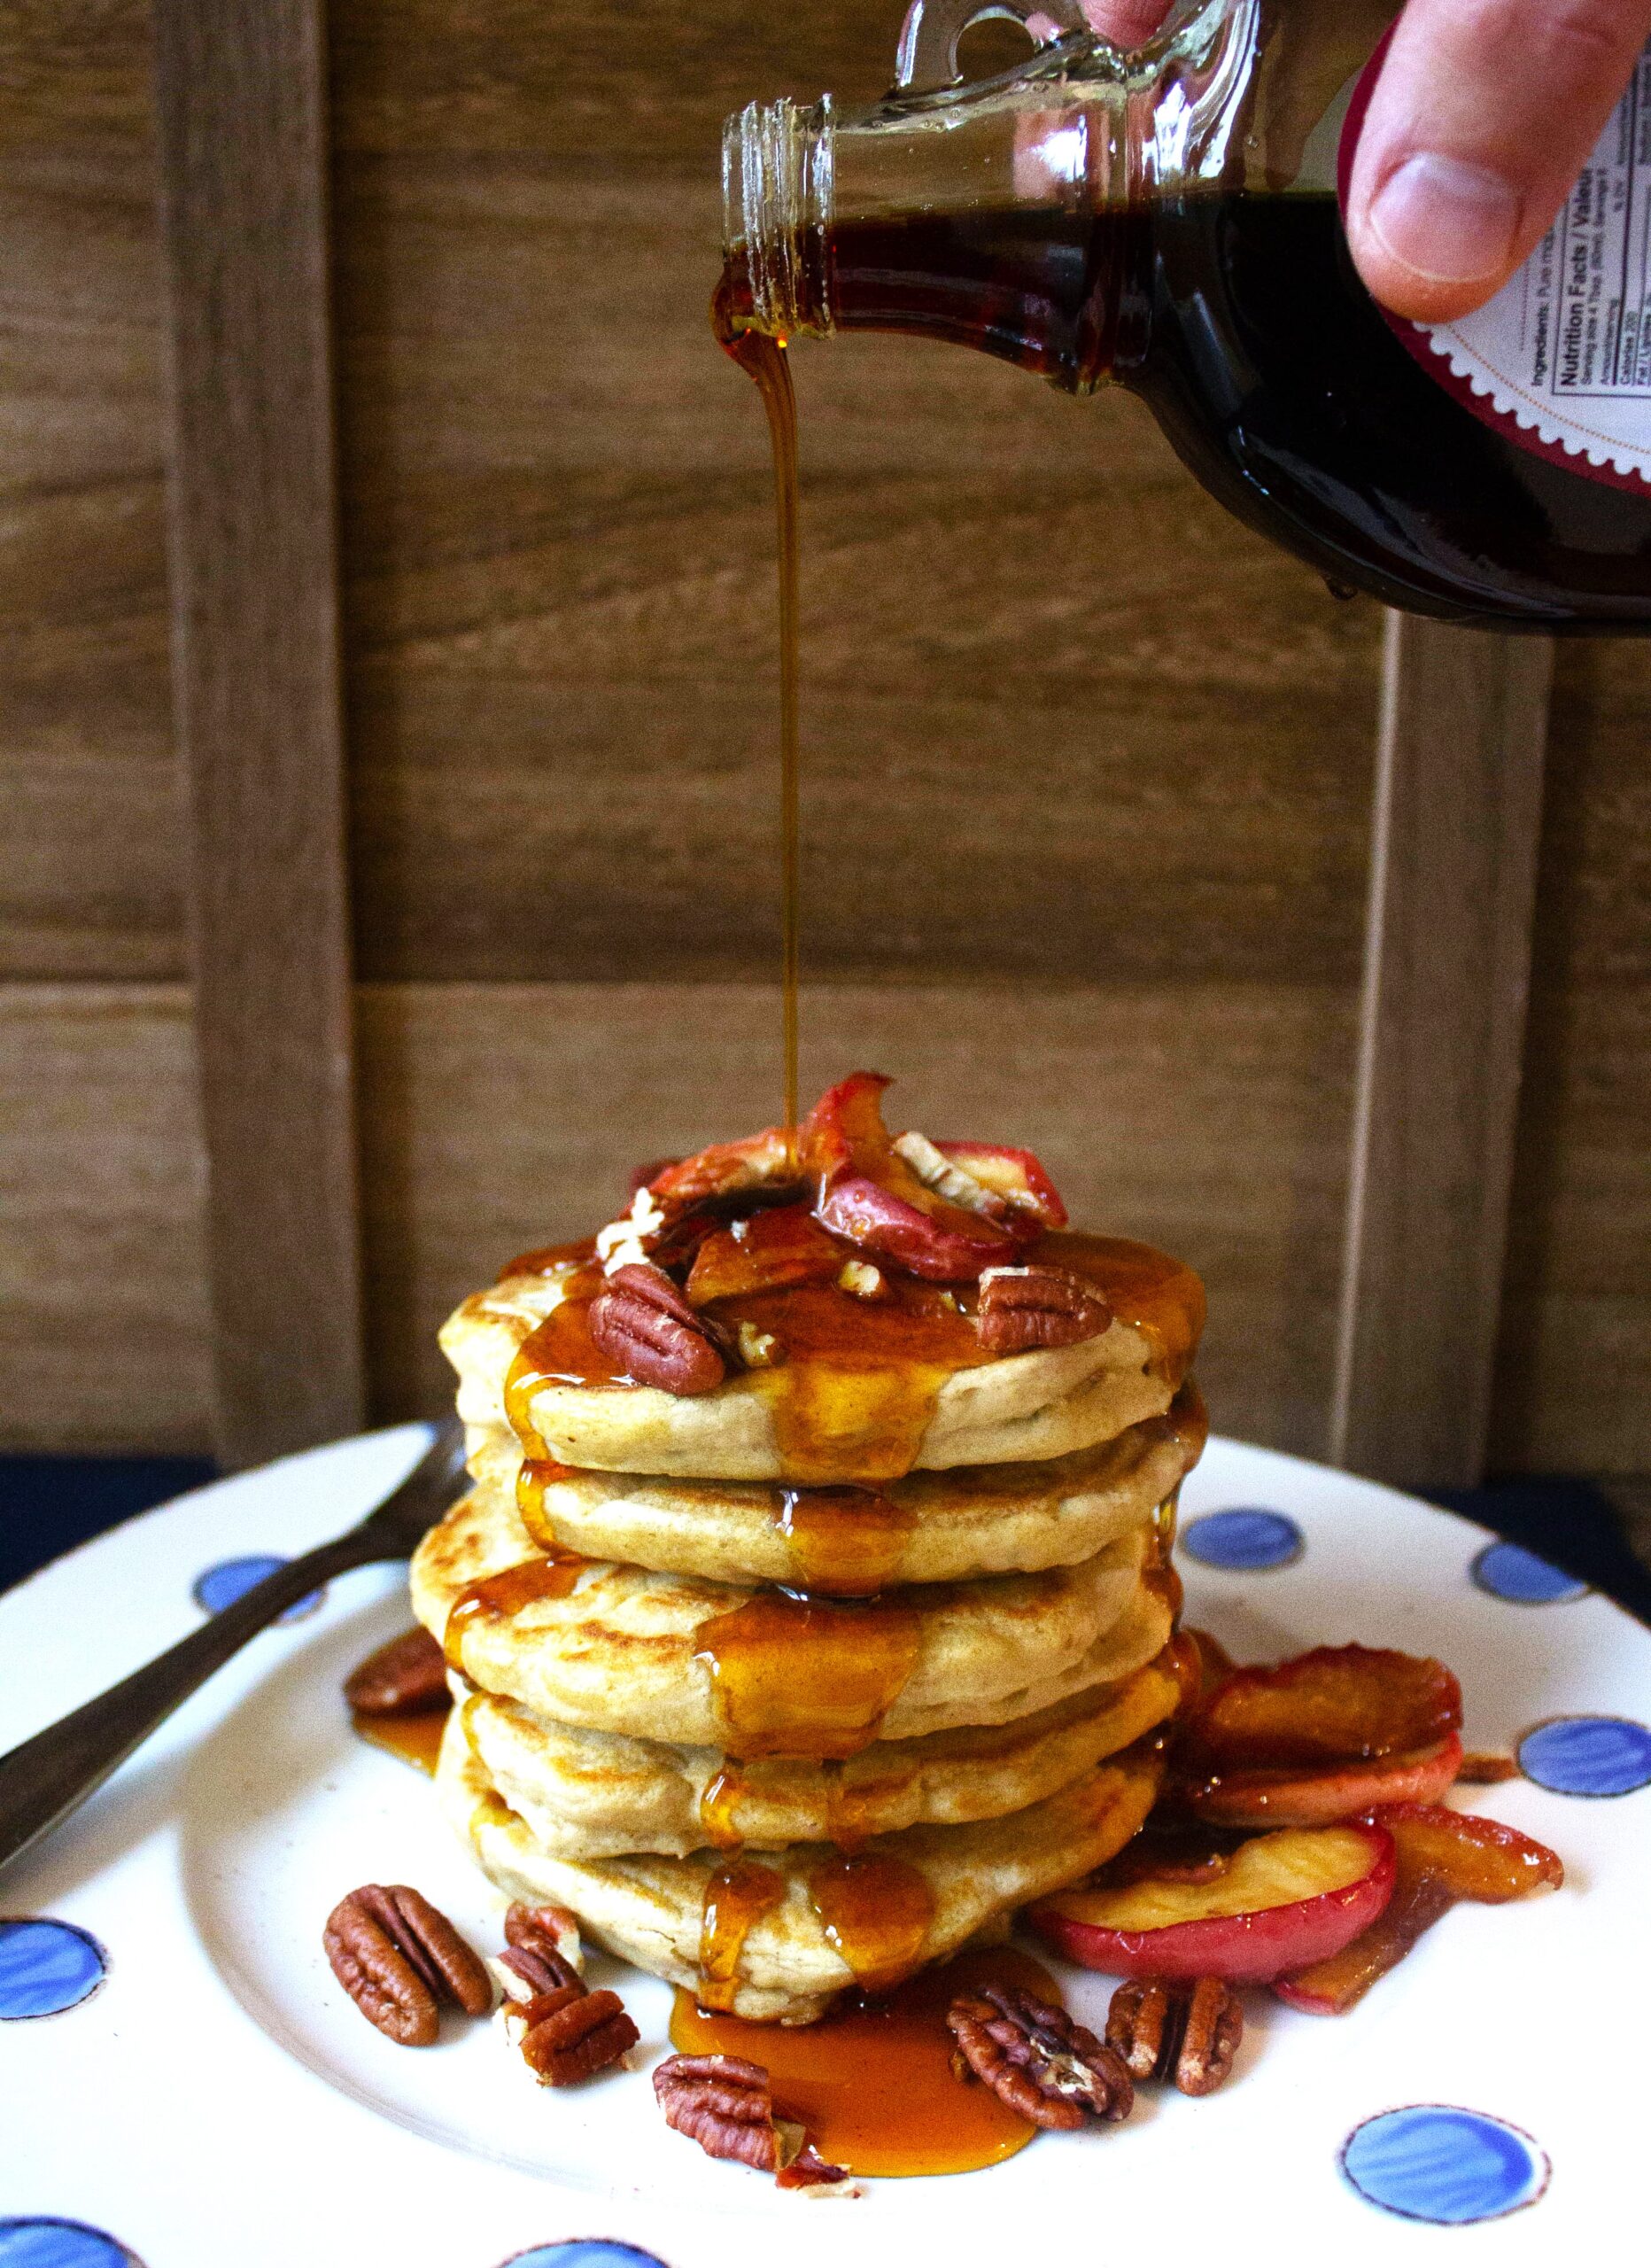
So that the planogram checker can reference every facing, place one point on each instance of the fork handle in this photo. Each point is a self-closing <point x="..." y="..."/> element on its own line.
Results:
<point x="46" y="1778"/>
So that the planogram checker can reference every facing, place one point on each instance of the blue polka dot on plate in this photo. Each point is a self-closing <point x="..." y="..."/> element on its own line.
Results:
<point x="584" y="2252"/>
<point x="46" y="1967"/>
<point x="1246" y="1540"/>
<point x="231" y="1579"/>
<point x="1508" y="1571"/>
<point x="1434" y="2163"/>
<point x="1587" y="1756"/>
<point x="60" y="2244"/>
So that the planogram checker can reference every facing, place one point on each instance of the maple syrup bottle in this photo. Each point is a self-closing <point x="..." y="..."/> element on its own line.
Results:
<point x="1170" y="222"/>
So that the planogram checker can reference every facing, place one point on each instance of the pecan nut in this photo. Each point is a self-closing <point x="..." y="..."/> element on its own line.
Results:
<point x="569" y="2034"/>
<point x="1035" y="2058"/>
<point x="725" y="2105"/>
<point x="642" y="1320"/>
<point x="401" y="1962"/>
<point x="402" y="1679"/>
<point x="1026" y="1308"/>
<point x="524" y="1973"/>
<point x="552" y="1930"/>
<point x="1185" y="2031"/>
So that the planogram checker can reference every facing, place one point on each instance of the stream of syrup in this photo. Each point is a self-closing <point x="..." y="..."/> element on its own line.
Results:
<point x="873" y="2080"/>
<point x="764" y="360"/>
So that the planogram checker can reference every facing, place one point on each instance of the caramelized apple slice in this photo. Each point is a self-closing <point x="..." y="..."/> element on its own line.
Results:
<point x="1249" y="1920"/>
<point x="1442" y="1856"/>
<point x="1013" y="1176"/>
<point x="1295" y="1798"/>
<point x="763" y="1253"/>
<point x="1329" y="1707"/>
<point x="761" y="1160"/>
<point x="868" y="1193"/>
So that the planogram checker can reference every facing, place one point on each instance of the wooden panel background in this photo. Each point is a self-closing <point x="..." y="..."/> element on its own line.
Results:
<point x="1087" y="767"/>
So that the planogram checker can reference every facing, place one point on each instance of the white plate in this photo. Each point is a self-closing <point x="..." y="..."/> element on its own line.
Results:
<point x="217" y="2098"/>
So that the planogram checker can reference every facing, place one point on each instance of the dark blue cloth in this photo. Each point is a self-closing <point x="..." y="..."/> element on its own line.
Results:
<point x="48" y="1504"/>
<point x="1568" y="1522"/>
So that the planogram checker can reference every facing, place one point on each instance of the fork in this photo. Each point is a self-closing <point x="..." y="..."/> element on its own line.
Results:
<point x="46" y="1778"/>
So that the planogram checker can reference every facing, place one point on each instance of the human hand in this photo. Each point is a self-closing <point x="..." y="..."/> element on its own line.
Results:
<point x="1483" y="117"/>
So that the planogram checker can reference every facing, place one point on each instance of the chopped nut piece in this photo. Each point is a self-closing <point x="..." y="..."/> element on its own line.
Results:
<point x="1168" y="2030"/>
<point x="862" y="1281"/>
<point x="401" y="1961"/>
<point x="1039" y="2062"/>
<point x="625" y="1242"/>
<point x="725" y="2105"/>
<point x="756" y="1347"/>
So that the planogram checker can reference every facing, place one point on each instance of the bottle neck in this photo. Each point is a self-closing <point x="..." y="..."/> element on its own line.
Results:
<point x="1016" y="215"/>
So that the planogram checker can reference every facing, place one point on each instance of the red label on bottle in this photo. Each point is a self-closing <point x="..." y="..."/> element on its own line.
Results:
<point x="1559" y="360"/>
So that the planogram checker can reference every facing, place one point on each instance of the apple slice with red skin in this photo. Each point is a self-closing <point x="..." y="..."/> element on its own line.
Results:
<point x="1442" y="1857"/>
<point x="1275" y="1896"/>
<point x="725" y="1170"/>
<point x="1316" y="1798"/>
<point x="866" y="1192"/>
<point x="1330" y="1707"/>
<point x="1014" y="1176"/>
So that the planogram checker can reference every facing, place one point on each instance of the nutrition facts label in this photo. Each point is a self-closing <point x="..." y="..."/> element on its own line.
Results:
<point x="1588" y="288"/>
<point x="1559" y="361"/>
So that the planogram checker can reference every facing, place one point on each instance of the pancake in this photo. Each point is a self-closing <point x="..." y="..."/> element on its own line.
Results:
<point x="928" y="1527"/>
<point x="589" y="1795"/>
<point x="863" y="1412"/>
<point x="675" y="1658"/>
<point x="650" y="1910"/>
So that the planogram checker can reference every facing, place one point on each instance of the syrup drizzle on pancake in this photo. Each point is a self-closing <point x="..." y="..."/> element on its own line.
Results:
<point x="854" y="1383"/>
<point x="875" y="1911"/>
<point x="846" y="1542"/>
<point x="798" y="1676"/>
<point x="495" y="1599"/>
<point x="737" y="1898"/>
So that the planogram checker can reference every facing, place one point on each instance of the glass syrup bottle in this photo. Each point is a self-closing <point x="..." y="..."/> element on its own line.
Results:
<point x="1170" y="222"/>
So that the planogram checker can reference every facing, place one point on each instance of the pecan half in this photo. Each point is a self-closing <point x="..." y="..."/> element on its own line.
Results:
<point x="401" y="1678"/>
<point x="1024" y="1307"/>
<point x="570" y="2034"/>
<point x="401" y="1961"/>
<point x="1168" y="2030"/>
<point x="725" y="2105"/>
<point x="643" y="1320"/>
<point x="524" y="1973"/>
<point x="1035" y="2059"/>
<point x="552" y="1930"/>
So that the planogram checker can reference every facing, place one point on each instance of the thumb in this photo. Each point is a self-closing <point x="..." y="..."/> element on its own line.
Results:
<point x="1484" y="116"/>
<point x="1127" y="23"/>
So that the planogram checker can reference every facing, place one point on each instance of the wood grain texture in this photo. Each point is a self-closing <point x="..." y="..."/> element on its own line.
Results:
<point x="244" y="162"/>
<point x="1061" y="715"/>
<point x="104" y="1339"/>
<point x="90" y="882"/>
<point x="1453" y="883"/>
<point x="1574" y="1365"/>
<point x="500" y="1117"/>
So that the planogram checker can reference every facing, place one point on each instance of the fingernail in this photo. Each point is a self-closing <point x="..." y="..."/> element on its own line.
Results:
<point x="1445" y="218"/>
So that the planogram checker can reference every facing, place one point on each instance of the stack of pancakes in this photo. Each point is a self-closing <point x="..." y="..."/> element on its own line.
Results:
<point x="803" y="1682"/>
